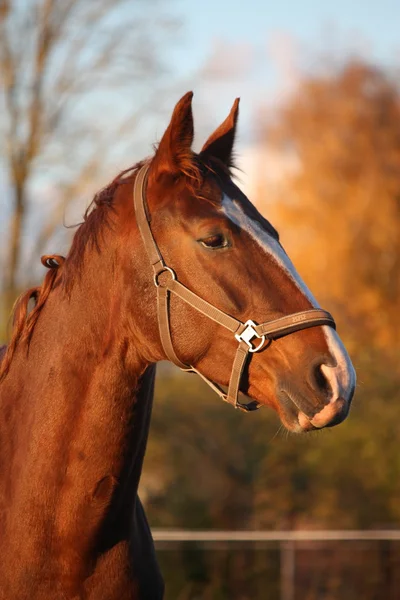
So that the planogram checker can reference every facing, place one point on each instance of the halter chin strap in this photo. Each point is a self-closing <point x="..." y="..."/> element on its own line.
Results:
<point x="250" y="336"/>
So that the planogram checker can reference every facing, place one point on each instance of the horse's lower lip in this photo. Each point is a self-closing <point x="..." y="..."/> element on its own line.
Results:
<point x="291" y="414"/>
<point x="294" y="411"/>
<point x="327" y="415"/>
<point x="293" y="417"/>
<point x="330" y="415"/>
<point x="305" y="423"/>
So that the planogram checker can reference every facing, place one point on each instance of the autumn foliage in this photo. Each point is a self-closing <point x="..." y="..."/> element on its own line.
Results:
<point x="340" y="210"/>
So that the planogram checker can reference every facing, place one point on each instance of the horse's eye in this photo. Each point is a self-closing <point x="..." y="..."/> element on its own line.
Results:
<point x="215" y="241"/>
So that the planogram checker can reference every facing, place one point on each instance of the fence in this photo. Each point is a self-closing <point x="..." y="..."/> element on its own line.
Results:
<point x="291" y="543"/>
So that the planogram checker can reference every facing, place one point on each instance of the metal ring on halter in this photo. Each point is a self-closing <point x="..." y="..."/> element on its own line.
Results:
<point x="157" y="275"/>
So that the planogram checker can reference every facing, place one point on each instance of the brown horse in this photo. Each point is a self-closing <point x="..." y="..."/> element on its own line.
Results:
<point x="78" y="375"/>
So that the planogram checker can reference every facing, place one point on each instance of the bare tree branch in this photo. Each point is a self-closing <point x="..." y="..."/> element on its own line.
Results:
<point x="56" y="56"/>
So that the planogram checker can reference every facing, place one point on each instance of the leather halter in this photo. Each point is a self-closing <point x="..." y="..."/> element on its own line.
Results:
<point x="250" y="336"/>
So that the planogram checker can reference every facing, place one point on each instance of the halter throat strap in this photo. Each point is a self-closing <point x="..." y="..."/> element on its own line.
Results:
<point x="251" y="337"/>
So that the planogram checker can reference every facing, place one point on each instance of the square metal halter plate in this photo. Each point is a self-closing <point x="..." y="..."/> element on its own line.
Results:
<point x="248" y="334"/>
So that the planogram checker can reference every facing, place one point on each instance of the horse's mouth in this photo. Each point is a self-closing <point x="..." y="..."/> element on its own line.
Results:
<point x="317" y="417"/>
<point x="292" y="417"/>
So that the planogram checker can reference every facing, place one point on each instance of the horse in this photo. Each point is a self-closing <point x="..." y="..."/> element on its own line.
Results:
<point x="171" y="261"/>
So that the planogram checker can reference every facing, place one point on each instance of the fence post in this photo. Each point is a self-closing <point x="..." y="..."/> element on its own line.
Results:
<point x="288" y="568"/>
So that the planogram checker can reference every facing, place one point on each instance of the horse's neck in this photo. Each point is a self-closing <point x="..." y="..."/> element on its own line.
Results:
<point x="78" y="411"/>
<point x="120" y="518"/>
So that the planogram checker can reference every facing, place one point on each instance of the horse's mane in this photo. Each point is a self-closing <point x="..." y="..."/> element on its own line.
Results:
<point x="25" y="317"/>
<point x="64" y="271"/>
<point x="95" y="219"/>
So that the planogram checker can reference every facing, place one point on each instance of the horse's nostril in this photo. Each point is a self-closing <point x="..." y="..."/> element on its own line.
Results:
<point x="320" y="380"/>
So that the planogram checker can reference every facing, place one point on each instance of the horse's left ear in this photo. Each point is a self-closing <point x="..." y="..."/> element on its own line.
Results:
<point x="174" y="154"/>
<point x="220" y="143"/>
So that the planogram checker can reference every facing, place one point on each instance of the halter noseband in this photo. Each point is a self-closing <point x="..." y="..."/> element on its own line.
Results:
<point x="250" y="336"/>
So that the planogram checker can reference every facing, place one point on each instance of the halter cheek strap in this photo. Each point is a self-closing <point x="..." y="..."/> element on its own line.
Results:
<point x="250" y="336"/>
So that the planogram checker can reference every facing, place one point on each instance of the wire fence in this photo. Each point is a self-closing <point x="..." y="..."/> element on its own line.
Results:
<point x="286" y="565"/>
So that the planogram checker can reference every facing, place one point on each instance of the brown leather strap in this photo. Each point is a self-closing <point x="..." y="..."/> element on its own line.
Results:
<point x="164" y="328"/>
<point x="166" y="282"/>
<point x="296" y="322"/>
<point x="156" y="260"/>
<point x="207" y="309"/>
<point x="239" y="363"/>
<point x="232" y="395"/>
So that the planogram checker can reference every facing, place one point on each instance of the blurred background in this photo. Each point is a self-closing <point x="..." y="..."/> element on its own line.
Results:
<point x="86" y="88"/>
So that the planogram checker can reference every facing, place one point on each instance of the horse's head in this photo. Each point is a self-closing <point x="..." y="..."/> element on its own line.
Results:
<point x="226" y="253"/>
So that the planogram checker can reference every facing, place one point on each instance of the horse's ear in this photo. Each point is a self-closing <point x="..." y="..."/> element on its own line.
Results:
<point x="220" y="143"/>
<point x="174" y="154"/>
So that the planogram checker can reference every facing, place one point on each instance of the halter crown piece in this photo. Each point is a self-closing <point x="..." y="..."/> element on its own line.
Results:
<point x="250" y="336"/>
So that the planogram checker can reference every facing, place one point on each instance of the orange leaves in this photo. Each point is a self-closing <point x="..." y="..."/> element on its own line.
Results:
<point x="342" y="223"/>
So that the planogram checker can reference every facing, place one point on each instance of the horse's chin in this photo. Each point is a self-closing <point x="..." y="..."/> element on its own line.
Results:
<point x="293" y="419"/>
<point x="300" y="424"/>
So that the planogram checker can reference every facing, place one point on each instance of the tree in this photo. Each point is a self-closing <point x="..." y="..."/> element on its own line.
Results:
<point x="74" y="74"/>
<point x="340" y="208"/>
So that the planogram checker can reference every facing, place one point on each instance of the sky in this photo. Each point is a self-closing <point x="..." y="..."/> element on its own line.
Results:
<point x="256" y="49"/>
<point x="253" y="21"/>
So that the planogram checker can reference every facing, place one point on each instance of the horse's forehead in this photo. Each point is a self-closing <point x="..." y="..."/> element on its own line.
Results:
<point x="238" y="208"/>
<point x="237" y="211"/>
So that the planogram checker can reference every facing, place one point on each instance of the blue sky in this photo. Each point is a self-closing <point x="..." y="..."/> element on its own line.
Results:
<point x="253" y="20"/>
<point x="263" y="45"/>
<point x="377" y="23"/>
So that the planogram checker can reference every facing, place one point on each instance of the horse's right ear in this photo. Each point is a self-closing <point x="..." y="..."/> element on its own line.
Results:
<point x="220" y="143"/>
<point x="174" y="153"/>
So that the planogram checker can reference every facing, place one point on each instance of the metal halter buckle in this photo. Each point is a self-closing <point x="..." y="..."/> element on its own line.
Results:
<point x="248" y="334"/>
<point x="163" y="270"/>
